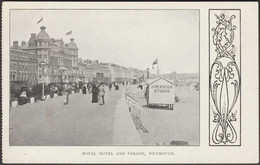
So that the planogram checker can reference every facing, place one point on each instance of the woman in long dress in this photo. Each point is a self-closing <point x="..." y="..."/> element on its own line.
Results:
<point x="84" y="90"/>
<point x="94" y="91"/>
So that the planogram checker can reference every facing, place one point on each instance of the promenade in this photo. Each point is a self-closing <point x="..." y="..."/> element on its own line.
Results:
<point x="80" y="123"/>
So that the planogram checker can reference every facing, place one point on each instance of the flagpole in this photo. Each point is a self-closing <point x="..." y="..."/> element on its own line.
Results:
<point x="38" y="72"/>
<point x="158" y="66"/>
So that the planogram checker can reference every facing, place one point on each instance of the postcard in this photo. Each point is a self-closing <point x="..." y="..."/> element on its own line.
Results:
<point x="130" y="82"/>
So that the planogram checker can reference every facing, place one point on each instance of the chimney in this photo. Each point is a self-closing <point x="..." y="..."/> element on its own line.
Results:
<point x="32" y="40"/>
<point x="23" y="43"/>
<point x="33" y="35"/>
<point x="15" y="45"/>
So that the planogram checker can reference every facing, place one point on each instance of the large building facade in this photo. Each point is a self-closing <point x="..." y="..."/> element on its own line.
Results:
<point x="45" y="59"/>
<point x="23" y="66"/>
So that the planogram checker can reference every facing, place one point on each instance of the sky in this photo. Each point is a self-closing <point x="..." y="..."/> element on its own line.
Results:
<point x="131" y="38"/>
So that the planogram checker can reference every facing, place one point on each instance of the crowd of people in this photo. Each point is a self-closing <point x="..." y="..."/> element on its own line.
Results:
<point x="96" y="89"/>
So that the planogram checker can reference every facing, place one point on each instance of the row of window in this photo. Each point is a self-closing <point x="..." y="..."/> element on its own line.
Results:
<point x="71" y="51"/>
<point x="14" y="76"/>
<point x="42" y="43"/>
<point x="23" y="58"/>
<point x="19" y="57"/>
<point x="23" y="66"/>
<point x="42" y="51"/>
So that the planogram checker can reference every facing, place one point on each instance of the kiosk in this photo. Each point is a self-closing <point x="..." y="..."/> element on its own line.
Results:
<point x="160" y="92"/>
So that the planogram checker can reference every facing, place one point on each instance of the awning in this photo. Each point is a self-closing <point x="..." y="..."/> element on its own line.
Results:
<point x="62" y="68"/>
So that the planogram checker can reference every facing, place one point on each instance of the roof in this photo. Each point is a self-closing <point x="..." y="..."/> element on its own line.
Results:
<point x="21" y="51"/>
<point x="72" y="44"/>
<point x="151" y="81"/>
<point x="43" y="35"/>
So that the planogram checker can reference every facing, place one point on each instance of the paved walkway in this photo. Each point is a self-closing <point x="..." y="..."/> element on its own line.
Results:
<point x="51" y="123"/>
<point x="124" y="129"/>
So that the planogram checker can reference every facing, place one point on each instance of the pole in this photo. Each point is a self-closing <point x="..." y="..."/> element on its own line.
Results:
<point x="38" y="74"/>
<point x="147" y="72"/>
<point x="43" y="98"/>
<point x="158" y="67"/>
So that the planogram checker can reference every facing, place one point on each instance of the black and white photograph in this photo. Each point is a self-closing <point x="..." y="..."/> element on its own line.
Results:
<point x="104" y="77"/>
<point x="130" y="82"/>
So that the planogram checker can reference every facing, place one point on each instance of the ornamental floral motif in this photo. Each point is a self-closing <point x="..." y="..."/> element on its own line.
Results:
<point x="224" y="82"/>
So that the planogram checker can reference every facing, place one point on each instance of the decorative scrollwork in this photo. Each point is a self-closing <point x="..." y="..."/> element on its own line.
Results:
<point x="224" y="81"/>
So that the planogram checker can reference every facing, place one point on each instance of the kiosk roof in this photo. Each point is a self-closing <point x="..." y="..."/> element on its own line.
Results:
<point x="151" y="81"/>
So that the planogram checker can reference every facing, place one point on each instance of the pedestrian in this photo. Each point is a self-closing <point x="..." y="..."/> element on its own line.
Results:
<point x="23" y="98"/>
<point x="89" y="88"/>
<point x="66" y="94"/>
<point x="110" y="86"/>
<point x="56" y="90"/>
<point x="77" y="87"/>
<point x="102" y="94"/>
<point x="116" y="86"/>
<point x="95" y="92"/>
<point x="140" y="86"/>
<point x="84" y="90"/>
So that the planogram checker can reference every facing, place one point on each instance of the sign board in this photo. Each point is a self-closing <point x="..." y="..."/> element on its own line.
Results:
<point x="161" y="91"/>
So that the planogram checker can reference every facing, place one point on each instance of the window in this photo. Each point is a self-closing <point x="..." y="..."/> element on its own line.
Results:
<point x="14" y="75"/>
<point x="11" y="76"/>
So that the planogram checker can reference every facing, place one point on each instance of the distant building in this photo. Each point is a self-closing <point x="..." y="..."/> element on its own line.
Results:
<point x="95" y="62"/>
<point x="138" y="75"/>
<point x="23" y="66"/>
<point x="117" y="73"/>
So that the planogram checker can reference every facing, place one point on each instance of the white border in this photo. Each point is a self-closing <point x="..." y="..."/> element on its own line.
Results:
<point x="248" y="152"/>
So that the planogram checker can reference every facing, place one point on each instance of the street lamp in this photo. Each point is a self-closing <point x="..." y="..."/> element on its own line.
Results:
<point x="43" y="65"/>
<point x="148" y="73"/>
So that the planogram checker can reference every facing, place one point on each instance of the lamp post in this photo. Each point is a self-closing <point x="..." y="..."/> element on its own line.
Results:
<point x="62" y="70"/>
<point x="43" y="65"/>
<point x="147" y="72"/>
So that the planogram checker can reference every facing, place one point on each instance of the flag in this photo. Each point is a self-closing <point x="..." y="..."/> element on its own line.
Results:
<point x="40" y="20"/>
<point x="155" y="62"/>
<point x="68" y="33"/>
